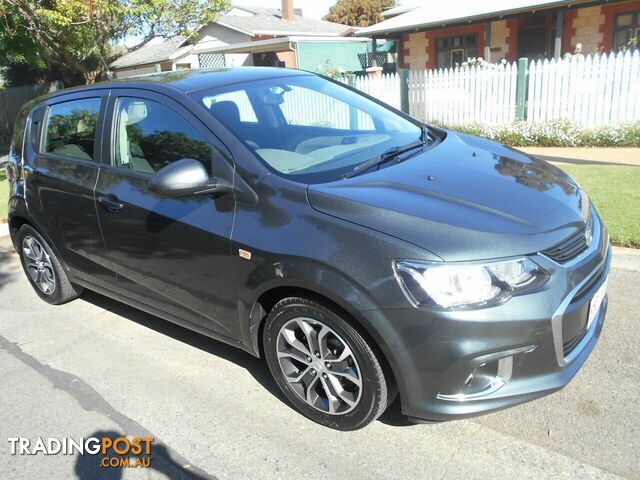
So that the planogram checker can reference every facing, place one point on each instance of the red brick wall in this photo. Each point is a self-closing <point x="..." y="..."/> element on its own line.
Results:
<point x="610" y="12"/>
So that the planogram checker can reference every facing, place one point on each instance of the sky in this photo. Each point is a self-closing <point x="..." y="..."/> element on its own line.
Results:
<point x="311" y="8"/>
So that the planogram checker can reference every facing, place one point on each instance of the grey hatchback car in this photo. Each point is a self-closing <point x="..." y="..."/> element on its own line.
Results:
<point x="363" y="254"/>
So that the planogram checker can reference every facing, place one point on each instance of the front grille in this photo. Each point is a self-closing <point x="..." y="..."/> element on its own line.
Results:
<point x="572" y="246"/>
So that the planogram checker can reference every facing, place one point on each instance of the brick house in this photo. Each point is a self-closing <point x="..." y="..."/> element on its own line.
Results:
<point x="434" y="36"/>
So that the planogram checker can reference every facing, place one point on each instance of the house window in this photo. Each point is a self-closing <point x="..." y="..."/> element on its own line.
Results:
<point x="626" y="32"/>
<point x="452" y="51"/>
<point x="211" y="60"/>
<point x="535" y="36"/>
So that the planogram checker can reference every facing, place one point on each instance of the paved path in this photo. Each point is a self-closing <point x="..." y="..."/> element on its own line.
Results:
<point x="614" y="156"/>
<point x="95" y="367"/>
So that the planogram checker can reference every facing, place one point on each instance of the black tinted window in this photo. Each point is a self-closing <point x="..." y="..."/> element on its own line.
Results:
<point x="18" y="134"/>
<point x="71" y="128"/>
<point x="149" y="136"/>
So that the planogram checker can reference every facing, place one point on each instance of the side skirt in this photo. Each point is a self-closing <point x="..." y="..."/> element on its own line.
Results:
<point x="164" y="315"/>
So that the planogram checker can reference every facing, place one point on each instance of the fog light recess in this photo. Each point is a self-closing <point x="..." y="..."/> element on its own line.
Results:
<point x="485" y="379"/>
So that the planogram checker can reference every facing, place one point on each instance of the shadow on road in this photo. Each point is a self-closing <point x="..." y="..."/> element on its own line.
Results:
<point x="255" y="366"/>
<point x="6" y="272"/>
<point x="90" y="467"/>
<point x="393" y="416"/>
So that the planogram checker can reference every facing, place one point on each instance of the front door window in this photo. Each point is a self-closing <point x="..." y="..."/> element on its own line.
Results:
<point x="453" y="51"/>
<point x="149" y="136"/>
<point x="535" y="36"/>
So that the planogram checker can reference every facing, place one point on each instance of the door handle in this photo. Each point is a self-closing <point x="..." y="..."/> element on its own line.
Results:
<point x="110" y="203"/>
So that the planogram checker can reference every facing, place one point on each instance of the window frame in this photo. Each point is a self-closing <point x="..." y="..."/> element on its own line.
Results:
<point x="108" y="143"/>
<point x="634" y="27"/>
<point x="452" y="48"/>
<point x="45" y="107"/>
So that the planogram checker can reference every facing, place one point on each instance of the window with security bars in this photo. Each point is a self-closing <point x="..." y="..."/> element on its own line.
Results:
<point x="211" y="60"/>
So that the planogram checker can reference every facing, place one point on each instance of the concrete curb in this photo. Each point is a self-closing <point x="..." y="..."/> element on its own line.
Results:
<point x="625" y="251"/>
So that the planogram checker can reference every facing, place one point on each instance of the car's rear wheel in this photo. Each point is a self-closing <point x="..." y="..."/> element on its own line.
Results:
<point x="324" y="366"/>
<point x="43" y="269"/>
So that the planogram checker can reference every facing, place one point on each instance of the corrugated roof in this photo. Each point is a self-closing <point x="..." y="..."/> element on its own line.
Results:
<point x="268" y="21"/>
<point x="155" y="51"/>
<point x="452" y="11"/>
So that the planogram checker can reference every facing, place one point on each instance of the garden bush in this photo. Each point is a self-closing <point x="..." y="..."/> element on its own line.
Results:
<point x="558" y="133"/>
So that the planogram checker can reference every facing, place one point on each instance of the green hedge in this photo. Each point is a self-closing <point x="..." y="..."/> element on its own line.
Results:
<point x="559" y="133"/>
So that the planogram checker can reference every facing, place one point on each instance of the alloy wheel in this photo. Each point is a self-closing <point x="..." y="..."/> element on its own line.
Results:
<point x="319" y="366"/>
<point x="38" y="265"/>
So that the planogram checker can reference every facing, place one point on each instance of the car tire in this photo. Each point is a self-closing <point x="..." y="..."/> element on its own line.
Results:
<point x="43" y="269"/>
<point x="344" y="363"/>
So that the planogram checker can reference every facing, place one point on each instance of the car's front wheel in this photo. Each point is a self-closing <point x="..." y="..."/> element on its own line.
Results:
<point x="43" y="269"/>
<point x="323" y="365"/>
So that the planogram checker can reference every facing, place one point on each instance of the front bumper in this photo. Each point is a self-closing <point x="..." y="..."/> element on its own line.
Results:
<point x="542" y="337"/>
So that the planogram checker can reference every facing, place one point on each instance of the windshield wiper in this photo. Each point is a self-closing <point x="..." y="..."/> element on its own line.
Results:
<point x="393" y="152"/>
<point x="426" y="137"/>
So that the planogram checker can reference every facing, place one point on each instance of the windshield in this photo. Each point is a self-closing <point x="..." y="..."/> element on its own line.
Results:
<point x="306" y="127"/>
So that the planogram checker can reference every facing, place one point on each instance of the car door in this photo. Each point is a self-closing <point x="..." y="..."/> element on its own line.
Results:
<point x="65" y="134"/>
<point x="169" y="253"/>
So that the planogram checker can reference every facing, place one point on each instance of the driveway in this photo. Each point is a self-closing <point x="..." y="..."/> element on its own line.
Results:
<point x="94" y="367"/>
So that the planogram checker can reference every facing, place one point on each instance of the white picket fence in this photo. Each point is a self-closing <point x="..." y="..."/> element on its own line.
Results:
<point x="464" y="95"/>
<point x="385" y="88"/>
<point x="587" y="90"/>
<point x="591" y="90"/>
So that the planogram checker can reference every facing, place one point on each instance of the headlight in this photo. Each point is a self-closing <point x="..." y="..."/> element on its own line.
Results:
<point x="459" y="286"/>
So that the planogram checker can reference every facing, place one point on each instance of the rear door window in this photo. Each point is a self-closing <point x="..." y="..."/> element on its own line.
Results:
<point x="71" y="129"/>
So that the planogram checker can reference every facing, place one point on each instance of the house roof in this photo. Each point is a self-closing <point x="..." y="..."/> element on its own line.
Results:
<point x="268" y="21"/>
<point x="155" y="51"/>
<point x="455" y="11"/>
<point x="394" y="11"/>
<point x="249" y="20"/>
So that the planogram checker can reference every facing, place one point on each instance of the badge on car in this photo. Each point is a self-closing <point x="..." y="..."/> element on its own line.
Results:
<point x="588" y="236"/>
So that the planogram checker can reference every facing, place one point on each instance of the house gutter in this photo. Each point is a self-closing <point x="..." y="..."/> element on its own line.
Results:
<point x="462" y="21"/>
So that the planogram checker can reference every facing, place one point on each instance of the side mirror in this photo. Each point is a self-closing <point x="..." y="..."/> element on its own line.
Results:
<point x="184" y="178"/>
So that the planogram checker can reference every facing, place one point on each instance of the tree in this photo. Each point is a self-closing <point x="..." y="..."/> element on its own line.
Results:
<point x="76" y="37"/>
<point x="19" y="59"/>
<point x="358" y="13"/>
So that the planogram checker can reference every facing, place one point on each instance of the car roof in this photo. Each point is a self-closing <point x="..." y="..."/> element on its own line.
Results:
<point x="190" y="80"/>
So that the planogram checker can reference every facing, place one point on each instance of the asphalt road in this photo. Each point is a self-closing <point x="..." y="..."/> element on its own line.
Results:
<point x="94" y="367"/>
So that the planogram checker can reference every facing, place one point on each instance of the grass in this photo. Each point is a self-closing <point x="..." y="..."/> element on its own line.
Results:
<point x="615" y="191"/>
<point x="4" y="195"/>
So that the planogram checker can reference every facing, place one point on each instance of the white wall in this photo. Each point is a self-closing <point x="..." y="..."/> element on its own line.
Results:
<point x="214" y="35"/>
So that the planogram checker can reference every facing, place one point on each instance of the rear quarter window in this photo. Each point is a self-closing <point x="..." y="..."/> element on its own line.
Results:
<point x="17" y="138"/>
